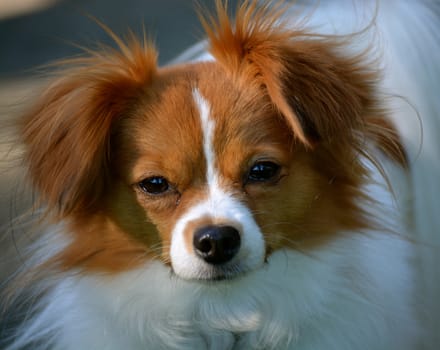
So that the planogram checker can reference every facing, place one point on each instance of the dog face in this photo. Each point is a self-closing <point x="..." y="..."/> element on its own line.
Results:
<point x="201" y="187"/>
<point x="208" y="167"/>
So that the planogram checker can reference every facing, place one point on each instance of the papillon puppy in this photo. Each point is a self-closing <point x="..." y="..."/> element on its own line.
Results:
<point x="280" y="192"/>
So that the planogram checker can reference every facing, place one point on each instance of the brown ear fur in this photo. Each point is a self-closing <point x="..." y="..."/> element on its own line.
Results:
<point x="323" y="94"/>
<point x="66" y="134"/>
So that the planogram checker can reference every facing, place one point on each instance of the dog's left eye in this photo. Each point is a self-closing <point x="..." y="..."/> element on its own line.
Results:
<point x="154" y="185"/>
<point x="264" y="171"/>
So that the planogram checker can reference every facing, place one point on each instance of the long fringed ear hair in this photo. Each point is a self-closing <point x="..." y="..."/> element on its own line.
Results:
<point x="324" y="94"/>
<point x="66" y="134"/>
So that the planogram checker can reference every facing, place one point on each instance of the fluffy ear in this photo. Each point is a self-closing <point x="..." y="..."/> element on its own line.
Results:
<point x="322" y="93"/>
<point x="67" y="133"/>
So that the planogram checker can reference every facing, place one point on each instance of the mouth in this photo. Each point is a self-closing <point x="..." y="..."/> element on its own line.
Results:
<point x="217" y="273"/>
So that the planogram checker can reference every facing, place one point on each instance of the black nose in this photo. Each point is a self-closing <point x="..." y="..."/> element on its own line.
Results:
<point x="216" y="244"/>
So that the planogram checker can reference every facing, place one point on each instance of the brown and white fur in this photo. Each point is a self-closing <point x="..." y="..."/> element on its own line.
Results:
<point x="277" y="195"/>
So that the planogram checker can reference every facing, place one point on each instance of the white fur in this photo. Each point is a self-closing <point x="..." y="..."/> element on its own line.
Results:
<point x="358" y="292"/>
<point x="208" y="126"/>
<point x="413" y="71"/>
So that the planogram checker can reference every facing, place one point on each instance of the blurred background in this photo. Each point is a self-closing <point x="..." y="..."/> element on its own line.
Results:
<point x="36" y="32"/>
<point x="33" y="32"/>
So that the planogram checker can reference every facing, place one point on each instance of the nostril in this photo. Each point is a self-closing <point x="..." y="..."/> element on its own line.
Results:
<point x="217" y="244"/>
<point x="205" y="244"/>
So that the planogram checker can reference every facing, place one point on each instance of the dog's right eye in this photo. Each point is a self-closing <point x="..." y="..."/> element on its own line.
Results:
<point x="154" y="185"/>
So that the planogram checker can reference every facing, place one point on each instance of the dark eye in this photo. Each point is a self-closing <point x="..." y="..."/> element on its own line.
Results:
<point x="263" y="172"/>
<point x="154" y="185"/>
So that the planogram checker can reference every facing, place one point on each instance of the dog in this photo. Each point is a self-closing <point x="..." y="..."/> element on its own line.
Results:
<point x="280" y="192"/>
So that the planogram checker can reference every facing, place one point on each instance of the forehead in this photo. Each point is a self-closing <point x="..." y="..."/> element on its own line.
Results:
<point x="166" y="129"/>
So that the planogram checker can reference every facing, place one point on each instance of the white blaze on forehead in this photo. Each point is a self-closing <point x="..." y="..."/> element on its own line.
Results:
<point x="216" y="194"/>
<point x="219" y="204"/>
<point x="208" y="126"/>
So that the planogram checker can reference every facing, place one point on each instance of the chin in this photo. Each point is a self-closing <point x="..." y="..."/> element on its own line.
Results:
<point x="273" y="191"/>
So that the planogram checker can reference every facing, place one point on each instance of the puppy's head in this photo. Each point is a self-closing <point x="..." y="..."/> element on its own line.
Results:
<point x="211" y="166"/>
